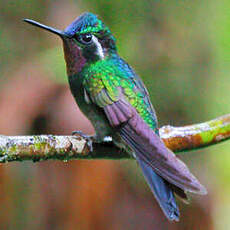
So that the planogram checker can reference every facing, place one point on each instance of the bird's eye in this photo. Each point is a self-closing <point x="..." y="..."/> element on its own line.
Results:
<point x="85" y="38"/>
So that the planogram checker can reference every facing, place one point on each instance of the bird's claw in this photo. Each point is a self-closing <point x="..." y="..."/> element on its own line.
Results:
<point x="88" y="139"/>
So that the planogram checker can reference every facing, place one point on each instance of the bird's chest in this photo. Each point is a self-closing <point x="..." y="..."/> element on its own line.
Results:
<point x="90" y="110"/>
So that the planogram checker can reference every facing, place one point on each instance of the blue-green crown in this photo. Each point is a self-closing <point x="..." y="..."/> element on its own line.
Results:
<point x="87" y="23"/>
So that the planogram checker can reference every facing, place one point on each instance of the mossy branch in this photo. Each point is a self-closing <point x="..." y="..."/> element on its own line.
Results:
<point x="44" y="147"/>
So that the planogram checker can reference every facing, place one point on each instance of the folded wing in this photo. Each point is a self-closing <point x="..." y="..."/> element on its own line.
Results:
<point x="149" y="148"/>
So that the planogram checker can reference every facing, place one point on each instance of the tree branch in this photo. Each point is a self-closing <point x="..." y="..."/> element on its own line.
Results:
<point x="44" y="147"/>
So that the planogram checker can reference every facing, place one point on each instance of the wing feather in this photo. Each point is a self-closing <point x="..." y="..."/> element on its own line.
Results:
<point x="148" y="147"/>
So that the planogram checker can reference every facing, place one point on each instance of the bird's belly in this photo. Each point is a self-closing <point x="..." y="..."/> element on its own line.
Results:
<point x="98" y="120"/>
<point x="94" y="114"/>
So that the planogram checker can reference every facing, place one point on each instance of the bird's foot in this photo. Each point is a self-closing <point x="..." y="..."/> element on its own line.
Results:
<point x="89" y="139"/>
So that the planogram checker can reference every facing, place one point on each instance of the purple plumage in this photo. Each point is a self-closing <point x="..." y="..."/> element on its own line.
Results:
<point x="163" y="171"/>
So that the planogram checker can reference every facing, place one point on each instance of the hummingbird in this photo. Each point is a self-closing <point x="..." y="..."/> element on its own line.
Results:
<point x="116" y="101"/>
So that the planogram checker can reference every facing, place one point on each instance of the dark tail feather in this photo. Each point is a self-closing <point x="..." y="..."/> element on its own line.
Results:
<point x="180" y="193"/>
<point x="162" y="191"/>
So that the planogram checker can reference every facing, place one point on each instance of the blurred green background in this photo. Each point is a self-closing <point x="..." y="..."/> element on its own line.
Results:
<point x="181" y="49"/>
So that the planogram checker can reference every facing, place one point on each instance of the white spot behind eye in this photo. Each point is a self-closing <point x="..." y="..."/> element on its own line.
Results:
<point x="99" y="47"/>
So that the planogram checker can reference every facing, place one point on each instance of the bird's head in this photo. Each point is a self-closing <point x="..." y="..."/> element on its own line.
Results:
<point x="87" y="39"/>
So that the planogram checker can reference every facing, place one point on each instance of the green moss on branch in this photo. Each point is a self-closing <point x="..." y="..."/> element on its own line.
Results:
<point x="44" y="147"/>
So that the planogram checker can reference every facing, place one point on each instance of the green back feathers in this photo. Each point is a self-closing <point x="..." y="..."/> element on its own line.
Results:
<point x="106" y="82"/>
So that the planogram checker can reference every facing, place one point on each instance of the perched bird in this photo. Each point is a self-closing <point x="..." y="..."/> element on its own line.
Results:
<point x="115" y="100"/>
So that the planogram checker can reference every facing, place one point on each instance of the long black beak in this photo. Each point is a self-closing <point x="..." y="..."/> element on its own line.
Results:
<point x="50" y="29"/>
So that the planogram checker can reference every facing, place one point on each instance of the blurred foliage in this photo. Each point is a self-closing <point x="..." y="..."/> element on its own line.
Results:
<point x="181" y="49"/>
